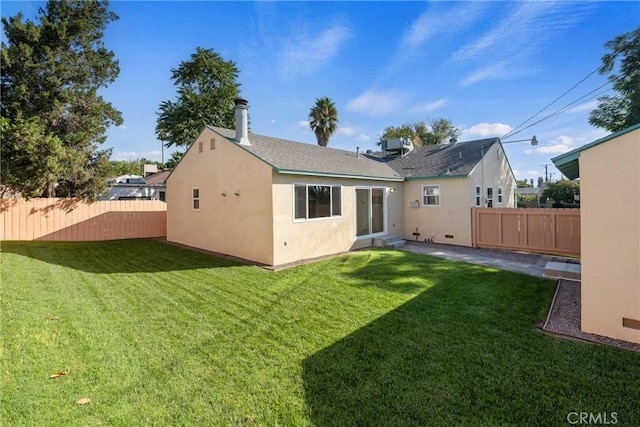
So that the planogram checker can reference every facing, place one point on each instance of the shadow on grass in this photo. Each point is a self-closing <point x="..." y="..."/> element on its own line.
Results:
<point x="117" y="256"/>
<point x="466" y="352"/>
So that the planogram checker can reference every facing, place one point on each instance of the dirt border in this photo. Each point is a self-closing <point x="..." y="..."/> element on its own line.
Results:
<point x="563" y="319"/>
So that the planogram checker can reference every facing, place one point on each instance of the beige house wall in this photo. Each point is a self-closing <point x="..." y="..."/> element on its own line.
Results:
<point x="451" y="218"/>
<point x="295" y="240"/>
<point x="457" y="197"/>
<point x="610" y="205"/>
<point x="235" y="200"/>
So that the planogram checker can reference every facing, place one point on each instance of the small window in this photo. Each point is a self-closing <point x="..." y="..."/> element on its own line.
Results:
<point x="431" y="195"/>
<point x="199" y="146"/>
<point x="499" y="195"/>
<point x="162" y="196"/>
<point x="213" y="144"/>
<point x="489" y="197"/>
<point x="478" y="196"/>
<point x="196" y="199"/>
<point x="317" y="201"/>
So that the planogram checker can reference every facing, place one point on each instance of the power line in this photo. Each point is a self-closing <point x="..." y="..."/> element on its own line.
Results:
<point x="562" y="109"/>
<point x="512" y="131"/>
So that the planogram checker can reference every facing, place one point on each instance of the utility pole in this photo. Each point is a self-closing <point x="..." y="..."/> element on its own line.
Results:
<point x="546" y="172"/>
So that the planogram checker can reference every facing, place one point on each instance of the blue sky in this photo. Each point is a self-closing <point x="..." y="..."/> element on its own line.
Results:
<point x="488" y="66"/>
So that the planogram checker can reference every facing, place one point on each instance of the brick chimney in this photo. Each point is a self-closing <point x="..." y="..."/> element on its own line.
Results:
<point x="242" y="122"/>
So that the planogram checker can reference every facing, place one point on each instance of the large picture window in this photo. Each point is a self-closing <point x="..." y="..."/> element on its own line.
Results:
<point x="431" y="195"/>
<point x="317" y="201"/>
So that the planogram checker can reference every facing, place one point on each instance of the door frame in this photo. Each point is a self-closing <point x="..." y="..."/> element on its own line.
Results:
<point x="370" y="213"/>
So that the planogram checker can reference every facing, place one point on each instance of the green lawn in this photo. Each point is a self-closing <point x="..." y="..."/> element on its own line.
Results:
<point x="159" y="335"/>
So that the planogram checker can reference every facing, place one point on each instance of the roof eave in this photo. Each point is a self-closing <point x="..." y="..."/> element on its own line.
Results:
<point x="414" y="178"/>
<point x="568" y="163"/>
<point x="337" y="175"/>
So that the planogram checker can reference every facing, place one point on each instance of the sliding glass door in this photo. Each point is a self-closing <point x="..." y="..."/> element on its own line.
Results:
<point x="369" y="211"/>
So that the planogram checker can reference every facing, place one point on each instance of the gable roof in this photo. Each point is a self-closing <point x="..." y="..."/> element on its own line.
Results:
<point x="442" y="160"/>
<point x="290" y="157"/>
<point x="158" y="177"/>
<point x="568" y="164"/>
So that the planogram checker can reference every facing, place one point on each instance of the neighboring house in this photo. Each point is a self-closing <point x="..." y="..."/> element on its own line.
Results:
<point x="276" y="201"/>
<point x="135" y="187"/>
<point x="529" y="197"/>
<point x="610" y="228"/>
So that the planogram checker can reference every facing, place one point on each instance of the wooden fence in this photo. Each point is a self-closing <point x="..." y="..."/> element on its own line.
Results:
<point x="75" y="220"/>
<point x="553" y="231"/>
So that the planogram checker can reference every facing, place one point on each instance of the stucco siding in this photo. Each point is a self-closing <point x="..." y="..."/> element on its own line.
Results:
<point x="450" y="222"/>
<point x="494" y="171"/>
<point x="610" y="210"/>
<point x="452" y="217"/>
<point x="234" y="217"/>
<point x="295" y="240"/>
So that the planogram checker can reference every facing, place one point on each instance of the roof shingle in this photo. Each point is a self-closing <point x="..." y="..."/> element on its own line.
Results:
<point x="429" y="161"/>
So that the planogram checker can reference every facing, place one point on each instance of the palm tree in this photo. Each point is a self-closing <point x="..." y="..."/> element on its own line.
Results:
<point x="323" y="120"/>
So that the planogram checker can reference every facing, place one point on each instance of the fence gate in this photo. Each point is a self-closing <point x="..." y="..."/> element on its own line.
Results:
<point x="552" y="231"/>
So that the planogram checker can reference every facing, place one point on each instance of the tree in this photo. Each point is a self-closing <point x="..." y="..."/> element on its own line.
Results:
<point x="206" y="90"/>
<point x="176" y="156"/>
<point x="323" y="120"/>
<point x="53" y="117"/>
<point x="562" y="191"/>
<point x="621" y="111"/>
<point x="441" y="130"/>
<point x="421" y="133"/>
<point x="523" y="183"/>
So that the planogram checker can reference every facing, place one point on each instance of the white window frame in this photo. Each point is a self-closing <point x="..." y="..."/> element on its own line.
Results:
<point x="306" y="192"/>
<point x="500" y="195"/>
<point x="478" y="196"/>
<point x="437" y="196"/>
<point x="489" y="199"/>
<point x="195" y="197"/>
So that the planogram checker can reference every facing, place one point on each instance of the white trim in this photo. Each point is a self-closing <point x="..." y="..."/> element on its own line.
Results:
<point x="489" y="198"/>
<point x="323" y="218"/>
<point x="193" y="198"/>
<point x="478" y="197"/>
<point x="384" y="211"/>
<point x="422" y="196"/>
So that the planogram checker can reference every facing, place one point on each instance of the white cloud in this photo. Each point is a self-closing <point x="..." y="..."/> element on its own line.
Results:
<point x="485" y="130"/>
<point x="121" y="127"/>
<point x="441" y="20"/>
<point x="303" y="123"/>
<point x="429" y="106"/>
<point x="363" y="137"/>
<point x="304" y="52"/>
<point x="522" y="31"/>
<point x="346" y="131"/>
<point x="273" y="121"/>
<point x="559" y="145"/>
<point x="490" y="72"/>
<point x="376" y="103"/>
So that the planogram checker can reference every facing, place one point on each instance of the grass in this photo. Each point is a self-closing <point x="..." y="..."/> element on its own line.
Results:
<point x="159" y="335"/>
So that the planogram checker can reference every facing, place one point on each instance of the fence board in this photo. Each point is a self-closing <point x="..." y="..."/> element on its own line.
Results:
<point x="554" y="231"/>
<point x="75" y="220"/>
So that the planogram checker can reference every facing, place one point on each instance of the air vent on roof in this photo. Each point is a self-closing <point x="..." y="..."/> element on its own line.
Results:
<point x="397" y="146"/>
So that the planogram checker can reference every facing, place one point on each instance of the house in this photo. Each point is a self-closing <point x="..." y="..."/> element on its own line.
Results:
<point x="275" y="201"/>
<point x="135" y="187"/>
<point x="610" y="227"/>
